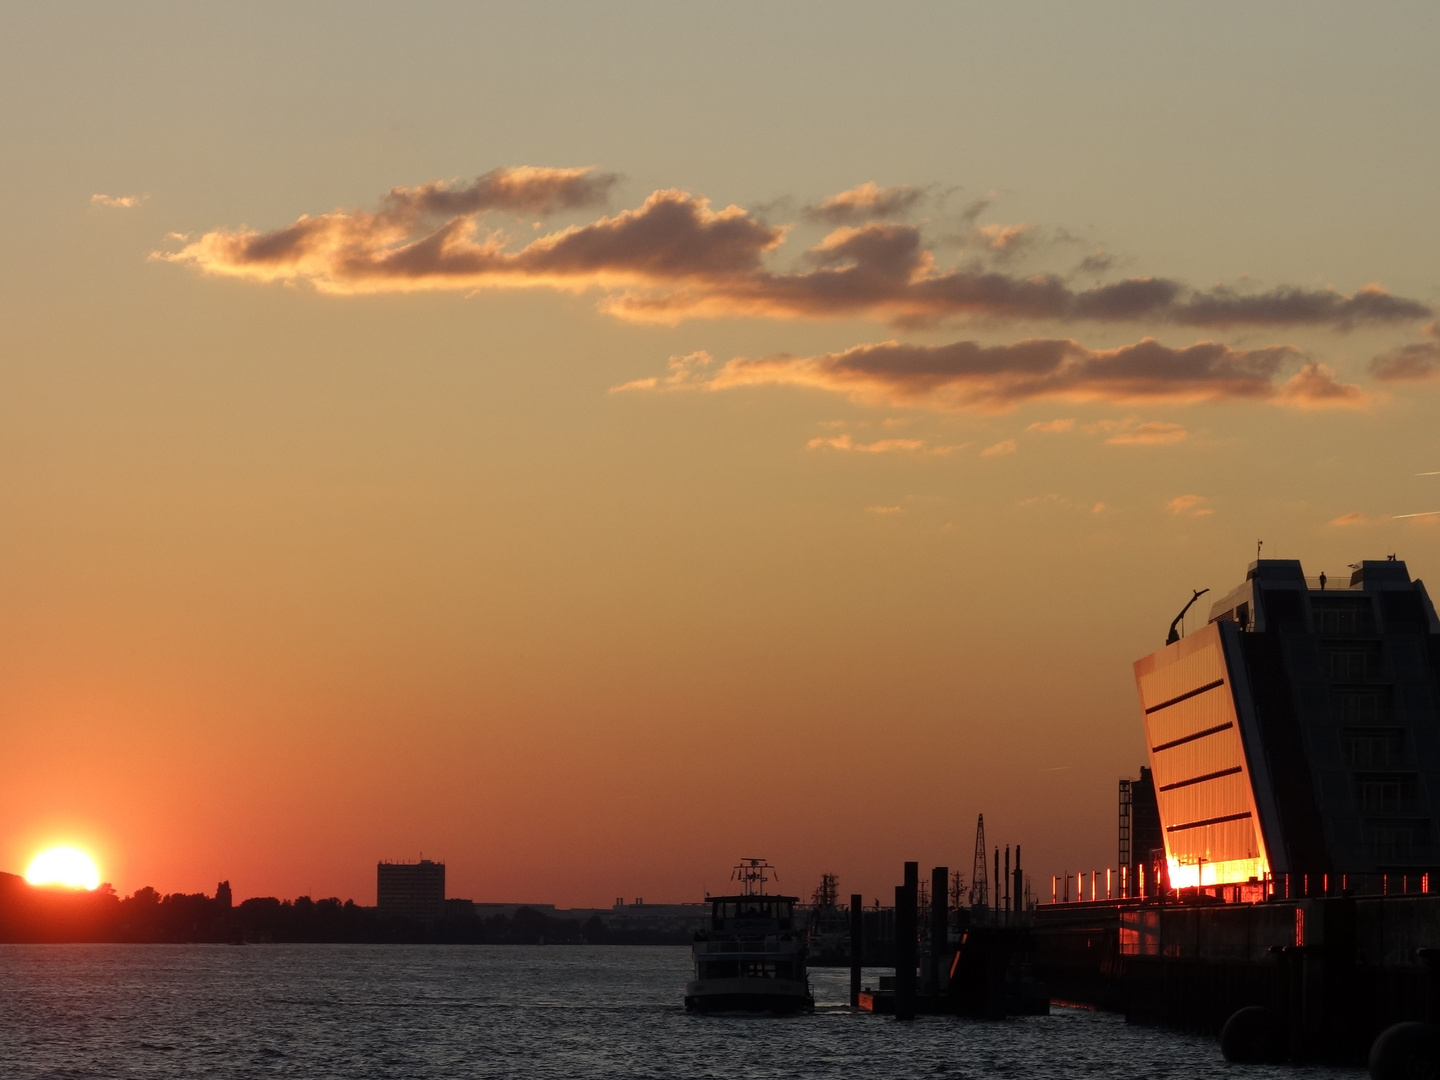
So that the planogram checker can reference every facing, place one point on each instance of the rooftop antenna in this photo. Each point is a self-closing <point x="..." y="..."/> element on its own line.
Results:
<point x="751" y="875"/>
<point x="979" y="877"/>
<point x="1258" y="545"/>
<point x="1175" y="626"/>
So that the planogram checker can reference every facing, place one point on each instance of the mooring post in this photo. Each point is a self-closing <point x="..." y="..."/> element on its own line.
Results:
<point x="905" y="942"/>
<point x="939" y="928"/>
<point x="857" y="946"/>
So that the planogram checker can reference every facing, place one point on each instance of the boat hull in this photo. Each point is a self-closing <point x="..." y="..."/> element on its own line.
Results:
<point x="748" y="995"/>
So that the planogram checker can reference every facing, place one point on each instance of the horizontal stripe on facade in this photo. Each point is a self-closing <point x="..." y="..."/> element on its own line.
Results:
<point x="1182" y="697"/>
<point x="1201" y="779"/>
<point x="1193" y="736"/>
<point x="1207" y="821"/>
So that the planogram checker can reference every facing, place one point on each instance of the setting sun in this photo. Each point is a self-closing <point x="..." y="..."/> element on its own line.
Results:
<point x="66" y="866"/>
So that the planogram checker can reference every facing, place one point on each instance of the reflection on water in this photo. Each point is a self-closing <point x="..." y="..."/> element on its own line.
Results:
<point x="420" y="1012"/>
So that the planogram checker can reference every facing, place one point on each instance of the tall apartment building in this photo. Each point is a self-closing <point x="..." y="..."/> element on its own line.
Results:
<point x="1299" y="732"/>
<point x="411" y="890"/>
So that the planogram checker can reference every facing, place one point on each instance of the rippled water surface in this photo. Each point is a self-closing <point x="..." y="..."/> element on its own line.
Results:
<point x="416" y="1012"/>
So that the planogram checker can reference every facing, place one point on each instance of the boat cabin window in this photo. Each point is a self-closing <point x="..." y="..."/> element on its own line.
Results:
<point x="754" y="907"/>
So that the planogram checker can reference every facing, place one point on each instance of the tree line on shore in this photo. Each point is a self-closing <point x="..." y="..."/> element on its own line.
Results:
<point x="29" y="914"/>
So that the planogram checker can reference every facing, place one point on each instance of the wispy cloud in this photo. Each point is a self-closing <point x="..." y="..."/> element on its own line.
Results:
<point x="883" y="510"/>
<point x="1315" y="387"/>
<point x="1189" y="506"/>
<point x="1004" y="238"/>
<point x="1053" y="499"/>
<point x="864" y="203"/>
<point x="1005" y="446"/>
<point x="676" y="257"/>
<point x="1135" y="432"/>
<point x="1354" y="518"/>
<point x="117" y="202"/>
<point x="684" y="373"/>
<point x="1132" y="431"/>
<point x="1413" y="362"/>
<point x="526" y="189"/>
<point x="881" y="446"/>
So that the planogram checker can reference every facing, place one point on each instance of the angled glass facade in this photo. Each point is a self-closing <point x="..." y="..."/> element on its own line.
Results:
<point x="1202" y="779"/>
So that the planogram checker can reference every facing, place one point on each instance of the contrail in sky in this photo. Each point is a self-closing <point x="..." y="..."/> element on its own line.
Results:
<point x="1436" y="473"/>
<point x="1424" y="513"/>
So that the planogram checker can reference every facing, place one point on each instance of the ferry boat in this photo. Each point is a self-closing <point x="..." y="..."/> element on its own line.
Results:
<point x="751" y="957"/>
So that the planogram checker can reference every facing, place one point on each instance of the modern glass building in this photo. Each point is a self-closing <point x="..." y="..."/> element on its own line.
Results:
<point x="1299" y="731"/>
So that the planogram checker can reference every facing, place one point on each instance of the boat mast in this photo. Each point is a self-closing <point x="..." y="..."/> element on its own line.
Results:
<point x="751" y="875"/>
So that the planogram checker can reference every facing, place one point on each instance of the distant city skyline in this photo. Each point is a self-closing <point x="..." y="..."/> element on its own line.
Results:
<point x="589" y="445"/>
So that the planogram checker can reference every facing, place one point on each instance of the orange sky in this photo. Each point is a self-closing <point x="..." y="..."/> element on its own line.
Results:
<point x="667" y="442"/>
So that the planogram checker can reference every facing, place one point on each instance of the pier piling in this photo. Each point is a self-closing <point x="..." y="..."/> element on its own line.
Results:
<point x="905" y="942"/>
<point x="939" y="928"/>
<point x="857" y="946"/>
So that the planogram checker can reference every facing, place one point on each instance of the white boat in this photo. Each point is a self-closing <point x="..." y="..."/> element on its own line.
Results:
<point x="751" y="957"/>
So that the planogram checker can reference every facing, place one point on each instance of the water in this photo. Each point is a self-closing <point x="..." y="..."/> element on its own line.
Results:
<point x="421" y="1012"/>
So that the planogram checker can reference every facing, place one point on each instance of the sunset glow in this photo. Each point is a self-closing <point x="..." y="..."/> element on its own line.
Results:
<point x="67" y="867"/>
<point x="675" y="437"/>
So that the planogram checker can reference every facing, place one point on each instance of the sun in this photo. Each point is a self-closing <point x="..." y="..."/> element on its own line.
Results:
<point x="66" y="866"/>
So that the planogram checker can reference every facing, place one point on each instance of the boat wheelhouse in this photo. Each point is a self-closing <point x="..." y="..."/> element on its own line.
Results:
<point x="751" y="956"/>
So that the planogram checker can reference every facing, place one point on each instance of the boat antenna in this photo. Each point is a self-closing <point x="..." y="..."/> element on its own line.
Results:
<point x="751" y="875"/>
<point x="1174" y="626"/>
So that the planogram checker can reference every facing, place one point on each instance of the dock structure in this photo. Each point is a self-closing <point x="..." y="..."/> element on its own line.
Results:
<point x="962" y="960"/>
<point x="1278" y="881"/>
<point x="1327" y="974"/>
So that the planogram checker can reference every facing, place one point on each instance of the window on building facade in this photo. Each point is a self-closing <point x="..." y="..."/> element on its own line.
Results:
<point x="1373" y="748"/>
<point x="1386" y="793"/>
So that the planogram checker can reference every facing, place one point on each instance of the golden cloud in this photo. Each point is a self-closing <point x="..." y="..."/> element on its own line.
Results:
<point x="967" y="375"/>
<point x="676" y="257"/>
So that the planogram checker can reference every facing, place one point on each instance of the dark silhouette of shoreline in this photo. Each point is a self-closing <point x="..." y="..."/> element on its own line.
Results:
<point x="46" y="915"/>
